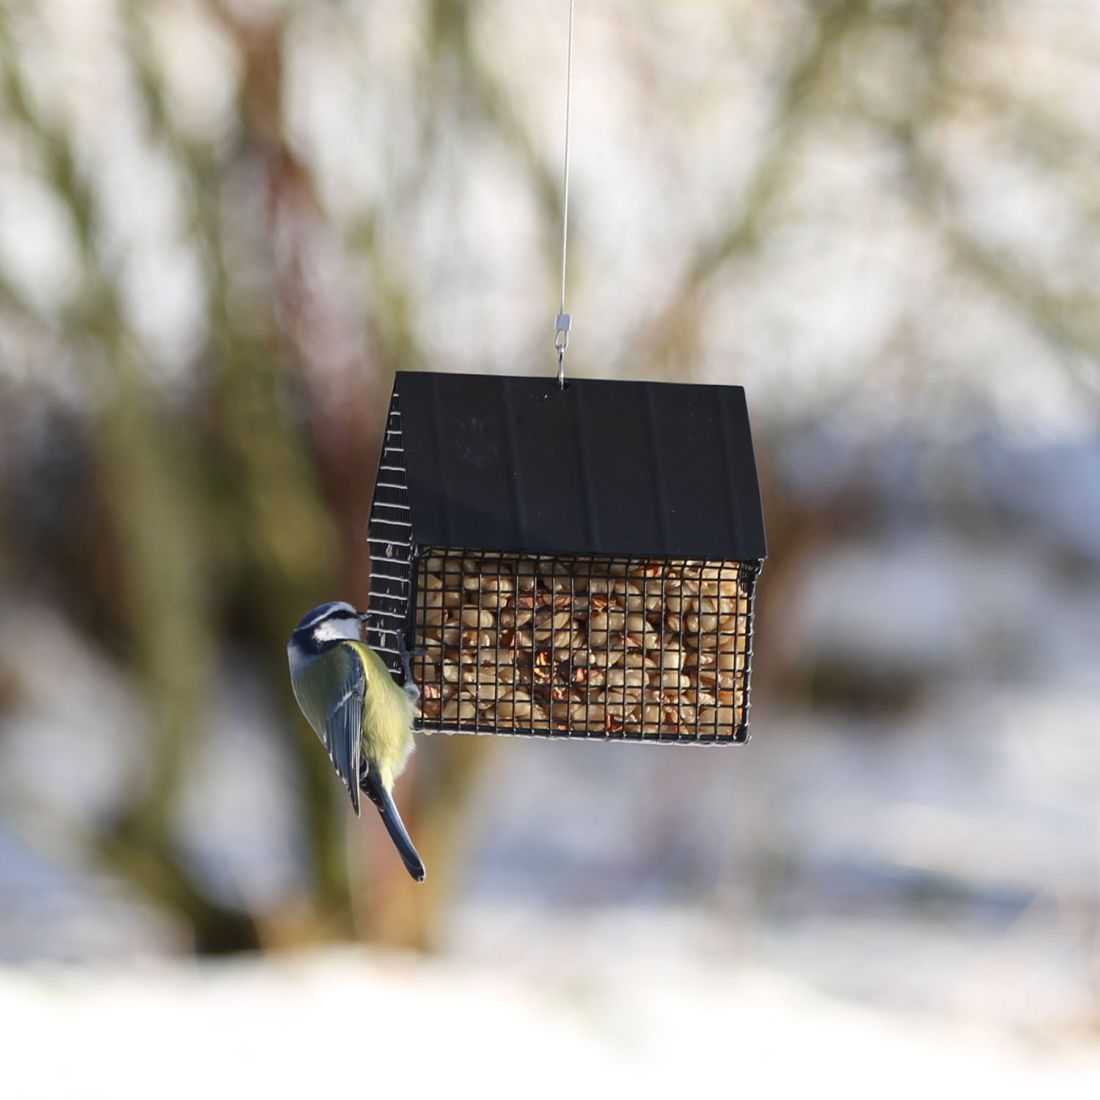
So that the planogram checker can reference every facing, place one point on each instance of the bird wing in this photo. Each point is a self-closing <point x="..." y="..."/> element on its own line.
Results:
<point x="341" y="728"/>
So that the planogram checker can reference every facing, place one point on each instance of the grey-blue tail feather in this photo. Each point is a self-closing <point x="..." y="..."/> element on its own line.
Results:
<point x="387" y="810"/>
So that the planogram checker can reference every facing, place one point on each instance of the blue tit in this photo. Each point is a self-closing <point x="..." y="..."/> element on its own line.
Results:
<point x="362" y="717"/>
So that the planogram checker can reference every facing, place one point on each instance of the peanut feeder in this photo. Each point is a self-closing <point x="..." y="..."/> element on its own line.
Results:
<point x="576" y="562"/>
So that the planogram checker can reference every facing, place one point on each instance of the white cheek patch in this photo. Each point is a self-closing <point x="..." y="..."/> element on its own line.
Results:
<point x="332" y="630"/>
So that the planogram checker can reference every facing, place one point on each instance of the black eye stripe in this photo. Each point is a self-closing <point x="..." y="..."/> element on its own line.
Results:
<point x="341" y="614"/>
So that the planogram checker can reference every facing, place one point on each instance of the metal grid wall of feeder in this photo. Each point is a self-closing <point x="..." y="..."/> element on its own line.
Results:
<point x="576" y="562"/>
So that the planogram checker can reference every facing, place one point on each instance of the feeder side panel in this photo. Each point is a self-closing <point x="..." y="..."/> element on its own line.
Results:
<point x="390" y="537"/>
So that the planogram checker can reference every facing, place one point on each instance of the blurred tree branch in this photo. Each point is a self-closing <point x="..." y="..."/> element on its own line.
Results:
<point x="1068" y="326"/>
<point x="670" y="340"/>
<point x="142" y="463"/>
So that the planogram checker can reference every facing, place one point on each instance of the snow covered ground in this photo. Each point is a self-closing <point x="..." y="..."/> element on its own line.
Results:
<point x="359" y="1023"/>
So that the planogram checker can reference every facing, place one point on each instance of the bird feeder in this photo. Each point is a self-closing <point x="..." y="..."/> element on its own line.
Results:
<point x="571" y="562"/>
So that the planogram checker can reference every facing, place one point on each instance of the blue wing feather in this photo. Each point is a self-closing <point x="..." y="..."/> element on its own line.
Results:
<point x="330" y="690"/>
<point x="343" y="731"/>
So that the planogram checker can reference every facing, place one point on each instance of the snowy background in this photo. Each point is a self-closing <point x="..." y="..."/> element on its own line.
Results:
<point x="225" y="223"/>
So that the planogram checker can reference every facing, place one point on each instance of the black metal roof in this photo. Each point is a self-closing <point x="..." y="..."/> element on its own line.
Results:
<point x="648" y="469"/>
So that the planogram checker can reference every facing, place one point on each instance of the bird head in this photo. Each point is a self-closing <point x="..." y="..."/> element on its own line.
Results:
<point x="329" y="622"/>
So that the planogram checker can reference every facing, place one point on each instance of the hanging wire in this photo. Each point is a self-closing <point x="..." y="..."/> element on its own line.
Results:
<point x="563" y="321"/>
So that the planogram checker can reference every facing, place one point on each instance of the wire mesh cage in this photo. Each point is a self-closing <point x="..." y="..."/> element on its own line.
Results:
<point x="587" y="646"/>
<point x="511" y="637"/>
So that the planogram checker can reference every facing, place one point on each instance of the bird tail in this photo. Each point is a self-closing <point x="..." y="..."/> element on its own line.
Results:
<point x="377" y="793"/>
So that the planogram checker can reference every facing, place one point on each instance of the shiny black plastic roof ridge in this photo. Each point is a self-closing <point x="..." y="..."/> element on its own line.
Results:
<point x="633" y="469"/>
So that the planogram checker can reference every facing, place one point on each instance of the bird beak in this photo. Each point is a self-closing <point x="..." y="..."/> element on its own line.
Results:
<point x="364" y="616"/>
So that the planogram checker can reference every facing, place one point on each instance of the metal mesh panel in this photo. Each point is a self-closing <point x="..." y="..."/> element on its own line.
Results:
<point x="582" y="646"/>
<point x="390" y="536"/>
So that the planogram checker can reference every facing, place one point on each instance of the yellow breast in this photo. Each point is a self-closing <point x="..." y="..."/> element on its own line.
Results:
<point x="387" y="719"/>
